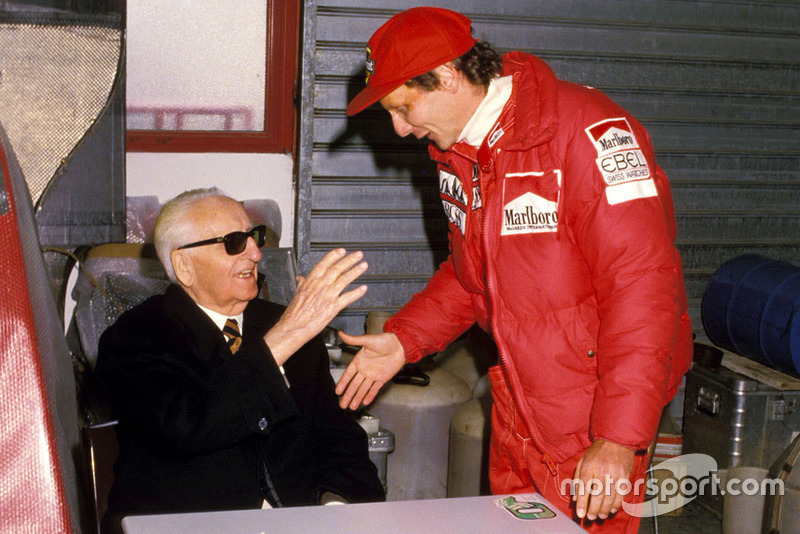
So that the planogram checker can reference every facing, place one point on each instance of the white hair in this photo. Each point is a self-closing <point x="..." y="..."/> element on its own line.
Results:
<point x="174" y="227"/>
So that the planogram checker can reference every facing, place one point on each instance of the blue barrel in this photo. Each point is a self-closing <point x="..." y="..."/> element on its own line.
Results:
<point x="751" y="306"/>
<point x="780" y="326"/>
<point x="714" y="306"/>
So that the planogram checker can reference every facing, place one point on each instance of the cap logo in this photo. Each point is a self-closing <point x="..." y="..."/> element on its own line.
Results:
<point x="370" y="64"/>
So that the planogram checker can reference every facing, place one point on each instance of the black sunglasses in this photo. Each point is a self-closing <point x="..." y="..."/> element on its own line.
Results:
<point x="235" y="242"/>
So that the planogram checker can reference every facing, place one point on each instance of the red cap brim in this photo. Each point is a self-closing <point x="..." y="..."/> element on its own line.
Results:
<point x="368" y="96"/>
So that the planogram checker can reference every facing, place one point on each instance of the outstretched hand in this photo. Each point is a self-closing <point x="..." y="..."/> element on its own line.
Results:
<point x="319" y="298"/>
<point x="381" y="356"/>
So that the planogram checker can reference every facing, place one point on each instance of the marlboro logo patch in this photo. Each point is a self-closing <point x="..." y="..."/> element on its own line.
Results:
<point x="530" y="214"/>
<point x="530" y="202"/>
<point x="621" y="161"/>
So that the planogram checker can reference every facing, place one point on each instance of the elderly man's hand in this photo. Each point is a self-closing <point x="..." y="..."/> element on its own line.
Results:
<point x="607" y="464"/>
<point x="319" y="298"/>
<point x="380" y="358"/>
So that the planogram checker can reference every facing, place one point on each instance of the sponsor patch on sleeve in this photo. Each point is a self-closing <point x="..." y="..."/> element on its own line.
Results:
<point x="454" y="199"/>
<point x="621" y="161"/>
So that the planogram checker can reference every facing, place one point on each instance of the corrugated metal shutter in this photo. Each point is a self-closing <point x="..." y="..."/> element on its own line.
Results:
<point x="717" y="84"/>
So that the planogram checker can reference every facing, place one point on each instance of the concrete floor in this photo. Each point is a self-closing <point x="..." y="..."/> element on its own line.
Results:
<point x="694" y="519"/>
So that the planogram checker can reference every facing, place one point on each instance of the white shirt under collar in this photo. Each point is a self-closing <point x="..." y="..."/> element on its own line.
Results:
<point x="478" y="126"/>
<point x="219" y="319"/>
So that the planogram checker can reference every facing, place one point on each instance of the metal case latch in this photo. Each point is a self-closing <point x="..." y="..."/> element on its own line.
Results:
<point x="708" y="401"/>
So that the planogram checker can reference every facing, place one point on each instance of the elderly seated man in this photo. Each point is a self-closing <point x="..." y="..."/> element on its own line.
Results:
<point x="224" y="400"/>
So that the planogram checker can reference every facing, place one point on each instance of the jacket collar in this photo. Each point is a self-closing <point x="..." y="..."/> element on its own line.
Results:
<point x="257" y="319"/>
<point x="530" y="117"/>
<point x="535" y="97"/>
<point x="205" y="339"/>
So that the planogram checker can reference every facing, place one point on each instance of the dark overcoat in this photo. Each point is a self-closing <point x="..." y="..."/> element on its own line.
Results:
<point x="201" y="429"/>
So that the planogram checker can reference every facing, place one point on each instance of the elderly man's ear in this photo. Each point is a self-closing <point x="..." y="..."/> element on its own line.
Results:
<point x="183" y="266"/>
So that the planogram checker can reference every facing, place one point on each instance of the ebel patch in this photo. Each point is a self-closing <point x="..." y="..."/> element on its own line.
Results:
<point x="454" y="199"/>
<point x="529" y="214"/>
<point x="621" y="161"/>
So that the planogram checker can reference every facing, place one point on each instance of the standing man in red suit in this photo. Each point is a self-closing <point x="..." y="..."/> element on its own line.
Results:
<point x="562" y="234"/>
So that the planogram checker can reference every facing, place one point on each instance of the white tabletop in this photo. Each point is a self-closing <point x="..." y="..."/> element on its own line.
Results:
<point x="518" y="514"/>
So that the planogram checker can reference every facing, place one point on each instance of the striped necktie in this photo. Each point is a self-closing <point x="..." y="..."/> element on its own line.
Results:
<point x="232" y="334"/>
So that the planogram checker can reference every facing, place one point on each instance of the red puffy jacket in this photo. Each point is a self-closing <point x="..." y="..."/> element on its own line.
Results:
<point x="562" y="235"/>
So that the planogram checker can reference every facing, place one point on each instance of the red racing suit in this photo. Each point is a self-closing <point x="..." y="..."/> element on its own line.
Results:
<point x="562" y="235"/>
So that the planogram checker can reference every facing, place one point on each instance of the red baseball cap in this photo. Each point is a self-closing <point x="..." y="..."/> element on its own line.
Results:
<point x="411" y="43"/>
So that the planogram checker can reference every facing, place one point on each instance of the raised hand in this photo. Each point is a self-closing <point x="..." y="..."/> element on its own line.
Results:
<point x="319" y="298"/>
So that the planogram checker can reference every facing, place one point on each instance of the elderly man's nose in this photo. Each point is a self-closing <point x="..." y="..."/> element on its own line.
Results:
<point x="252" y="251"/>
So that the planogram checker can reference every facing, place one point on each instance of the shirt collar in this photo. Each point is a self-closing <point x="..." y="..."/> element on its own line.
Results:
<point x="219" y="319"/>
<point x="478" y="126"/>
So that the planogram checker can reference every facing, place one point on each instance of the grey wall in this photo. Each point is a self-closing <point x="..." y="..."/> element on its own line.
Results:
<point x="717" y="84"/>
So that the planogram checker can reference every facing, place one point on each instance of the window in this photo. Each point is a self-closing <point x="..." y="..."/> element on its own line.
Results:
<point x="209" y="76"/>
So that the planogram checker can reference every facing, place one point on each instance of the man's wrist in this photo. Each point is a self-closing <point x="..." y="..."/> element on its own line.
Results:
<point x="282" y="343"/>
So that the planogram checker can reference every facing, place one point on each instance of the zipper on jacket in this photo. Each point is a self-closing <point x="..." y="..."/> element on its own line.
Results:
<point x="546" y="458"/>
